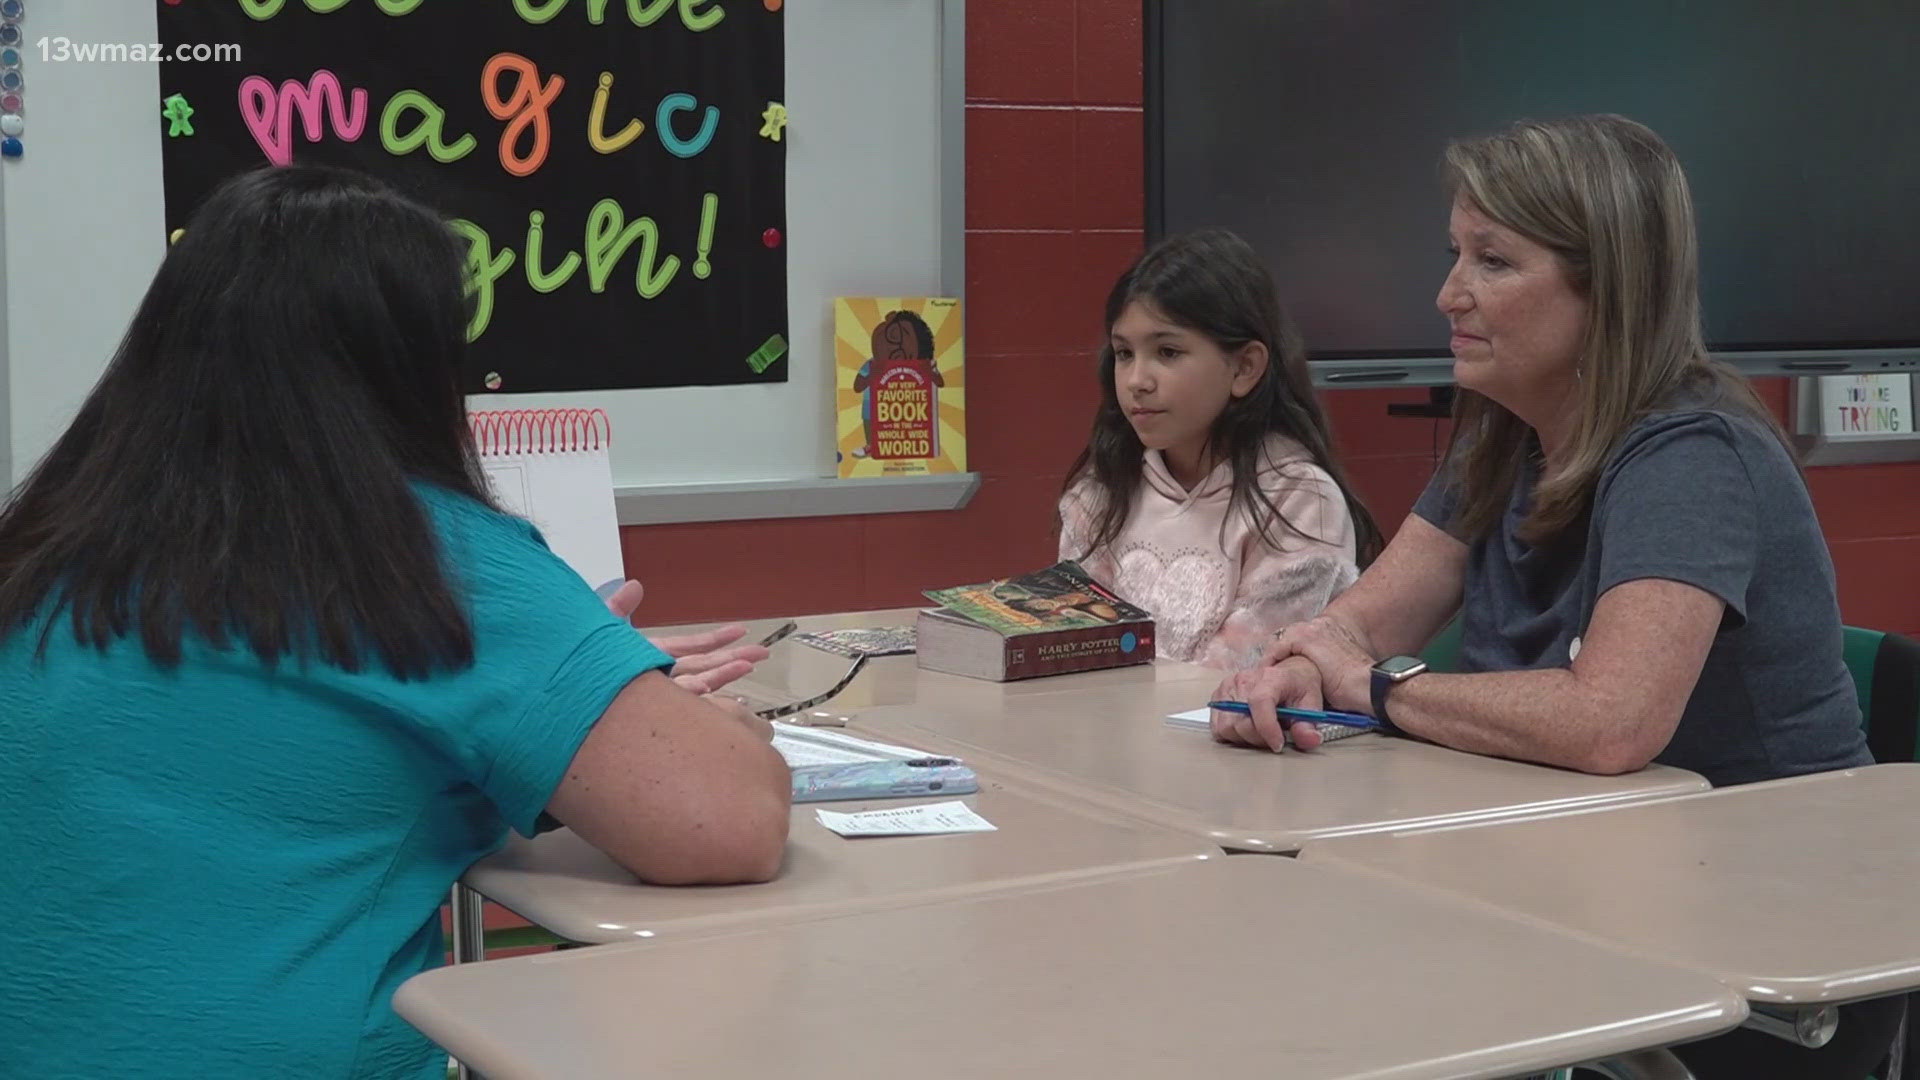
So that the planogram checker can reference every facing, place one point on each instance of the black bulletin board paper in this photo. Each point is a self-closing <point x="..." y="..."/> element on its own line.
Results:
<point x="632" y="252"/>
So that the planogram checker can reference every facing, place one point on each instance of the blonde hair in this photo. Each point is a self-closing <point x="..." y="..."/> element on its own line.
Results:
<point x="1608" y="197"/>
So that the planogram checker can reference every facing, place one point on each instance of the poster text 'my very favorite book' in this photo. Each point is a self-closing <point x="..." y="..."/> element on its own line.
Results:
<point x="899" y="386"/>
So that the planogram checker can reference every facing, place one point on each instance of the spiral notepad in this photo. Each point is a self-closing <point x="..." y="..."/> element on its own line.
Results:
<point x="551" y="467"/>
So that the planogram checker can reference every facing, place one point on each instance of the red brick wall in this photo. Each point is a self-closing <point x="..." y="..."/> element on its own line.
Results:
<point x="1871" y="517"/>
<point x="1054" y="211"/>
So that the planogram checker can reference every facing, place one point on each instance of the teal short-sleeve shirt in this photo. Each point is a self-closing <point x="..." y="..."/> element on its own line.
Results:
<point x="224" y="869"/>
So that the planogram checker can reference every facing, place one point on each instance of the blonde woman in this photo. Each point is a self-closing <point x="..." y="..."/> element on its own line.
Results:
<point x="1619" y="524"/>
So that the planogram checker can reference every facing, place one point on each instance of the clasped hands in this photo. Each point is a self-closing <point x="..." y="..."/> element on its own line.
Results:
<point x="1318" y="664"/>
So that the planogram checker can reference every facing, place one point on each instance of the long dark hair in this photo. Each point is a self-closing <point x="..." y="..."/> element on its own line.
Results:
<point x="1212" y="283"/>
<point x="242" y="469"/>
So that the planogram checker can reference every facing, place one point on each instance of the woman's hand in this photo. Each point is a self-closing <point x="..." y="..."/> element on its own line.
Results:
<point x="1294" y="681"/>
<point x="703" y="662"/>
<point x="1344" y="661"/>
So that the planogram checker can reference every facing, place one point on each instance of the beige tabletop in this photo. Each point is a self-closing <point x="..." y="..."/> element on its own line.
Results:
<point x="560" y="882"/>
<point x="1113" y="745"/>
<point x="797" y="671"/>
<point x="1185" y="970"/>
<point x="1792" y="891"/>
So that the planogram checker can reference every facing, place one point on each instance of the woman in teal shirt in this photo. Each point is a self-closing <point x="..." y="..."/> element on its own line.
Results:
<point x="274" y="671"/>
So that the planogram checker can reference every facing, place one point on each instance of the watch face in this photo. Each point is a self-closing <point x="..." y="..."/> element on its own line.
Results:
<point x="1394" y="667"/>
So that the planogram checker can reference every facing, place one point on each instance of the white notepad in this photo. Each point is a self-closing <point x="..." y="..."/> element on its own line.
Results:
<point x="818" y="746"/>
<point x="551" y="466"/>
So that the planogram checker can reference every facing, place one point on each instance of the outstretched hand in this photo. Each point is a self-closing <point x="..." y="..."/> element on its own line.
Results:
<point x="703" y="662"/>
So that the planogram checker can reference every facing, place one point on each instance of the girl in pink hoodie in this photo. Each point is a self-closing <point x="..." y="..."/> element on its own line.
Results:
<point x="1208" y="493"/>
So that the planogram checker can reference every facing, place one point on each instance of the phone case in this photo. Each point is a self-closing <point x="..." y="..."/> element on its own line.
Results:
<point x="883" y="780"/>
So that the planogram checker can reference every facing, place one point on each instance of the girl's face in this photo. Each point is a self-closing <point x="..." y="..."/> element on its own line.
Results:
<point x="1172" y="382"/>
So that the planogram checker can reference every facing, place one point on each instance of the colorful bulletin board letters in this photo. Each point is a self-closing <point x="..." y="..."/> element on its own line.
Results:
<point x="603" y="159"/>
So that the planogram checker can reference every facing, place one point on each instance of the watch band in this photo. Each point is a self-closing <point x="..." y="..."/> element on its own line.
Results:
<point x="1381" y="682"/>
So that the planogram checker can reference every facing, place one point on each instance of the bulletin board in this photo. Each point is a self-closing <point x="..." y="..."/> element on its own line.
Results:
<point x="870" y="204"/>
<point x="617" y="170"/>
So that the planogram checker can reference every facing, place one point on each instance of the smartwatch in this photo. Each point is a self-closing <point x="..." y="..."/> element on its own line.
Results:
<point x="1388" y="674"/>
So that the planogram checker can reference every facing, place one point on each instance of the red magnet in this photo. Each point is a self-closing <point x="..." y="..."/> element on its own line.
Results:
<point x="771" y="238"/>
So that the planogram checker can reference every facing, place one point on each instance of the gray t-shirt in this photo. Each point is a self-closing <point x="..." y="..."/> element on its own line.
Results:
<point x="1709" y="498"/>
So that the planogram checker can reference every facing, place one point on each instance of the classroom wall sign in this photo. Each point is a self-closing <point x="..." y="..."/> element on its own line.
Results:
<point x="616" y="167"/>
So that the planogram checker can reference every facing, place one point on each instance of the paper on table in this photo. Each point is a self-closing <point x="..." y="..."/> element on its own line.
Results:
<point x="946" y="817"/>
<point x="1192" y="718"/>
<point x="798" y="753"/>
<point x="817" y="746"/>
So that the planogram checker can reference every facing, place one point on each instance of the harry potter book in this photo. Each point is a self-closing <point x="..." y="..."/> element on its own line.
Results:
<point x="1051" y="622"/>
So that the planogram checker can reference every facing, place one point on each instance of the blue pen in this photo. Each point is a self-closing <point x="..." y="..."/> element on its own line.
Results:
<point x="1319" y="716"/>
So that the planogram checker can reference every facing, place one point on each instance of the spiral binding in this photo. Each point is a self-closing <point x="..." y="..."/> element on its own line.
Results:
<point x="539" y="431"/>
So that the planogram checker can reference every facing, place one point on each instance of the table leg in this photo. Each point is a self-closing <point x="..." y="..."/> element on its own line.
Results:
<point x="1811" y="1026"/>
<point x="1897" y="1057"/>
<point x="469" y="930"/>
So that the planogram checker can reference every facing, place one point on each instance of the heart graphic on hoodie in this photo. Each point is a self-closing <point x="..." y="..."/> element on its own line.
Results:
<point x="1187" y="593"/>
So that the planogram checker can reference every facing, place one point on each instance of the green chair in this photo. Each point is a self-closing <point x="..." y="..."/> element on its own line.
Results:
<point x="1886" y="675"/>
<point x="1443" y="652"/>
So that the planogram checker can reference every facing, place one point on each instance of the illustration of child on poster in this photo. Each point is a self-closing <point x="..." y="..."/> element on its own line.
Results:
<point x="899" y="386"/>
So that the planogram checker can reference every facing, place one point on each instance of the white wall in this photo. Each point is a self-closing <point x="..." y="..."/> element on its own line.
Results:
<point x="82" y="213"/>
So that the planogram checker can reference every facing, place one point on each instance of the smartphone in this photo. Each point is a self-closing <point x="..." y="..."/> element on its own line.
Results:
<point x="900" y="779"/>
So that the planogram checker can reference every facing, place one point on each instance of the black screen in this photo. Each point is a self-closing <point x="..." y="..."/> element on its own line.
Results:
<point x="1314" y="128"/>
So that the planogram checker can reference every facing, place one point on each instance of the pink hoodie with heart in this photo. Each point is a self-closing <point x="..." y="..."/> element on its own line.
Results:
<point x="1215" y="587"/>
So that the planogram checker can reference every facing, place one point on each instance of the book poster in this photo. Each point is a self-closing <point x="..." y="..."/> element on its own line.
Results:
<point x="616" y="170"/>
<point x="900" y="386"/>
